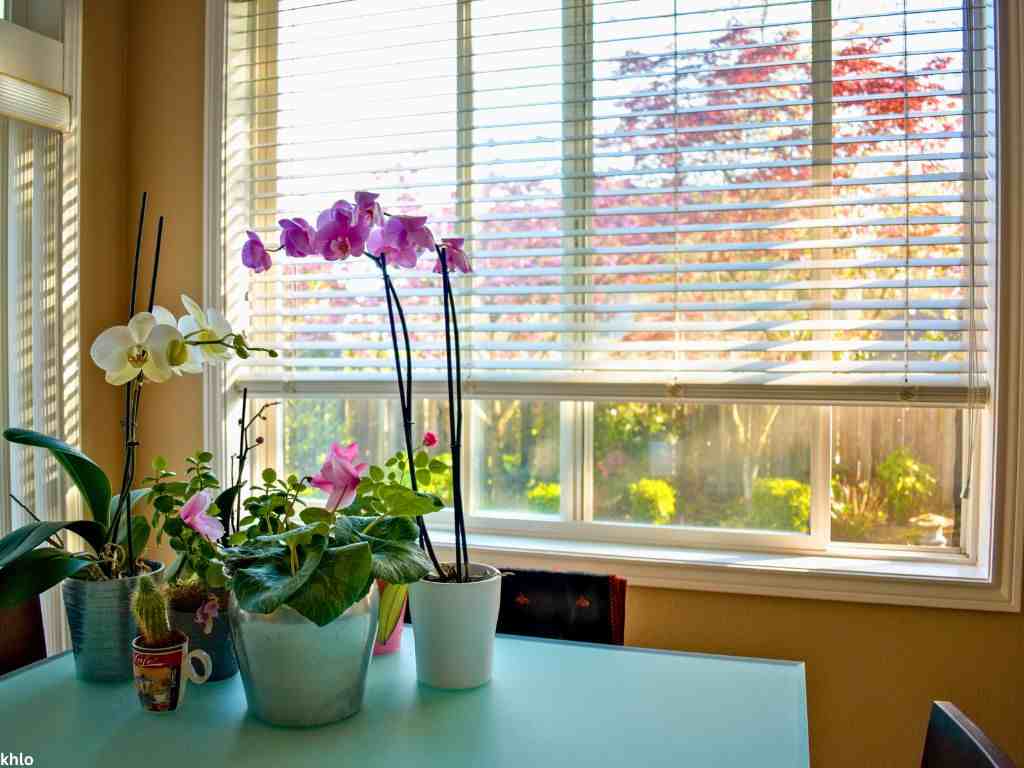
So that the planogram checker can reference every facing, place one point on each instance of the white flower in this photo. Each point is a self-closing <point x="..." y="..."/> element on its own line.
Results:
<point x="206" y="326"/>
<point x="194" y="361"/>
<point x="144" y="345"/>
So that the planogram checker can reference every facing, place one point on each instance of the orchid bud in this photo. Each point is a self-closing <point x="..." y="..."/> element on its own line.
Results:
<point x="177" y="352"/>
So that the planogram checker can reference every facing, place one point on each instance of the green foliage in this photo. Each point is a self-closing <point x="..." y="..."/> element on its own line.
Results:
<point x="651" y="500"/>
<point x="196" y="557"/>
<point x="857" y="508"/>
<point x="776" y="504"/>
<point x="35" y="572"/>
<point x="545" y="498"/>
<point x="87" y="476"/>
<point x="906" y="482"/>
<point x="150" y="608"/>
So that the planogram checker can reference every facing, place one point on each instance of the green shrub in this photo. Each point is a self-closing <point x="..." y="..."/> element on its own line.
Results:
<point x="545" y="498"/>
<point x="776" y="504"/>
<point x="651" y="501"/>
<point x="857" y="508"/>
<point x="907" y="484"/>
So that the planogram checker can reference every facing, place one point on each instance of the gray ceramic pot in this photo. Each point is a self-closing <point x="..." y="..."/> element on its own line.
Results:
<point x="298" y="674"/>
<point x="102" y="626"/>
<point x="217" y="643"/>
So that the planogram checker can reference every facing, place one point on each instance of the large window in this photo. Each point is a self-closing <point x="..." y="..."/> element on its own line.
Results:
<point x="733" y="258"/>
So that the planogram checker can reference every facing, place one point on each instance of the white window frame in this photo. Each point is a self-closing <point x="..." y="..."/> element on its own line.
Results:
<point x="985" y="575"/>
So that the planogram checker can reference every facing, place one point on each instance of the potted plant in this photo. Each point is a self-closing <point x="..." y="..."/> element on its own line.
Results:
<point x="185" y="512"/>
<point x="455" y="608"/>
<point x="97" y="585"/>
<point x="161" y="660"/>
<point x="305" y="608"/>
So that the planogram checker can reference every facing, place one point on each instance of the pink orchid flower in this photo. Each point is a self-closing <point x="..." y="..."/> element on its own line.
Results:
<point x="368" y="210"/>
<point x="254" y="254"/>
<point x="206" y="614"/>
<point x="401" y="240"/>
<point x="341" y="232"/>
<point x="339" y="476"/>
<point x="297" y="237"/>
<point x="429" y="440"/>
<point x="193" y="514"/>
<point x="456" y="258"/>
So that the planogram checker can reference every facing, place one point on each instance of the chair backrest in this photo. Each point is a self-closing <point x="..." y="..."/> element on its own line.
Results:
<point x="21" y="639"/>
<point x="563" y="606"/>
<point x="953" y="741"/>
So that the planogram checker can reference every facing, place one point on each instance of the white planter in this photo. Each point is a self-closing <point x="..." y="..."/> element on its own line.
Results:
<point x="454" y="625"/>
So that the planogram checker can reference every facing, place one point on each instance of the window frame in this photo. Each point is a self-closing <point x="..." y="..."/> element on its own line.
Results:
<point x="985" y="575"/>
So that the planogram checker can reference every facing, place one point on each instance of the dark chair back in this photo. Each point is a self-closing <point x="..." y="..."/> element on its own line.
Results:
<point x="953" y="741"/>
<point x="21" y="637"/>
<point x="563" y="606"/>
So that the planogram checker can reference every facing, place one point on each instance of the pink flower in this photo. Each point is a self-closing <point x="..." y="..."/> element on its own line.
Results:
<point x="207" y="612"/>
<point x="341" y="231"/>
<point x="297" y="237"/>
<point x="429" y="440"/>
<point x="456" y="258"/>
<point x="193" y="514"/>
<point x="339" y="476"/>
<point x="368" y="209"/>
<point x="254" y="254"/>
<point x="401" y="240"/>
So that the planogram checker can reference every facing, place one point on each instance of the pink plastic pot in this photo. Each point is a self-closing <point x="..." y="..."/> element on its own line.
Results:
<point x="394" y="642"/>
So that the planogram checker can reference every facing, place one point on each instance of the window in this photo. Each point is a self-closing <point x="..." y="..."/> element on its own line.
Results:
<point x="39" y="339"/>
<point x="735" y="259"/>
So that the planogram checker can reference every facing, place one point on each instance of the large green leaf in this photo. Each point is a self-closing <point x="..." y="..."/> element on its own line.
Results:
<point x="342" y="578"/>
<point x="136" y="496"/>
<point x="398" y="562"/>
<point x="392" y="603"/>
<point x="35" y="572"/>
<point x="83" y="471"/>
<point x="349" y="528"/>
<point x="20" y="542"/>
<point x="140" y="533"/>
<point x="262" y="578"/>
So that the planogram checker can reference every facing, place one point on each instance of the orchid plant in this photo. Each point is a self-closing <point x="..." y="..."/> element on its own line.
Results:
<point x="351" y="230"/>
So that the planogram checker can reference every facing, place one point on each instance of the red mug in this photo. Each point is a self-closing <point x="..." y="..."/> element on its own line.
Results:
<point x="162" y="674"/>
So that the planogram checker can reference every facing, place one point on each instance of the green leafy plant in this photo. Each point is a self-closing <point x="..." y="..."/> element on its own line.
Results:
<point x="906" y="482"/>
<point x="545" y="498"/>
<point x="321" y="561"/>
<point x="651" y="500"/>
<point x="776" y="504"/>
<point x="857" y="507"/>
<point x="27" y="567"/>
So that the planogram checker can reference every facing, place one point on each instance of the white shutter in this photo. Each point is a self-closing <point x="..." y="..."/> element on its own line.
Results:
<point x="718" y="200"/>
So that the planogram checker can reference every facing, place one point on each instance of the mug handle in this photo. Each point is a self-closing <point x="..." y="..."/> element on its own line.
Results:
<point x="190" y="669"/>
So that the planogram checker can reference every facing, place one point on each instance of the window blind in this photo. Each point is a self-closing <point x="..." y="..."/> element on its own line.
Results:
<point x="728" y="199"/>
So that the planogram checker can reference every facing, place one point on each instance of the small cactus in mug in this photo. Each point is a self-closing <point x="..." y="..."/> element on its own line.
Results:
<point x="150" y="608"/>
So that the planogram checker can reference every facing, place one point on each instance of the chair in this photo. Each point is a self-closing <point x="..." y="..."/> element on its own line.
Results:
<point x="21" y="640"/>
<point x="563" y="606"/>
<point x="953" y="741"/>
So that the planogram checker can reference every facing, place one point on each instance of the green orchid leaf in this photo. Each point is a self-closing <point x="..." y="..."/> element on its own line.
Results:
<point x="140" y="534"/>
<point x="392" y="604"/>
<point x="90" y="480"/>
<point x="136" y="496"/>
<point x="176" y="569"/>
<point x="261" y="574"/>
<point x="20" y="542"/>
<point x="35" y="572"/>
<point x="342" y="578"/>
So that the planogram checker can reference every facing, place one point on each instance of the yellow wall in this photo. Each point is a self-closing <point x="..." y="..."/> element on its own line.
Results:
<point x="871" y="670"/>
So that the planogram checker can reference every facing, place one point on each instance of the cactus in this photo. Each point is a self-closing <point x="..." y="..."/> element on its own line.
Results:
<point x="150" y="608"/>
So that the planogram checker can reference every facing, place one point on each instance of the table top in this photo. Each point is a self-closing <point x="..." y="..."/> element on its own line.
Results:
<point x="549" y="704"/>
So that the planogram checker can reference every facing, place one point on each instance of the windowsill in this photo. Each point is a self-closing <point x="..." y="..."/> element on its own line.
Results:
<point x="932" y="583"/>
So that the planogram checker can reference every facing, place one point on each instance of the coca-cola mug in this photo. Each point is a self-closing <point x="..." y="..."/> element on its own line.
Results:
<point x="162" y="674"/>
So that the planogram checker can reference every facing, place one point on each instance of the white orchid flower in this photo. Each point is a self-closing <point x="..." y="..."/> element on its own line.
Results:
<point x="206" y="326"/>
<point x="144" y="345"/>
<point x="194" y="361"/>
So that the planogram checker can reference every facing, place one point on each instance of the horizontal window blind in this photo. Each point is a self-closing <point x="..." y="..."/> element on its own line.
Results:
<point x="784" y="199"/>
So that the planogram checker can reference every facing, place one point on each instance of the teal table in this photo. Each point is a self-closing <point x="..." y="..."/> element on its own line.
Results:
<point x="550" y="704"/>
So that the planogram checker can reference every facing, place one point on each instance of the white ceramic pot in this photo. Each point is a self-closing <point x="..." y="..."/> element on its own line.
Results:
<point x="454" y="626"/>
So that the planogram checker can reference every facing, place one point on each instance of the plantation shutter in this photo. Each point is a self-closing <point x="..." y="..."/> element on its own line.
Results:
<point x="732" y="199"/>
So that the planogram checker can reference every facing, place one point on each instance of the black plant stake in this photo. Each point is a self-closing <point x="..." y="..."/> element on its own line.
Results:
<point x="405" y="393"/>
<point x="454" y="370"/>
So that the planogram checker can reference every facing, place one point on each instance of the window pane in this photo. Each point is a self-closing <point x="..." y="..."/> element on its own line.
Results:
<point x="718" y="466"/>
<point x="897" y="475"/>
<point x="516" y="457"/>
